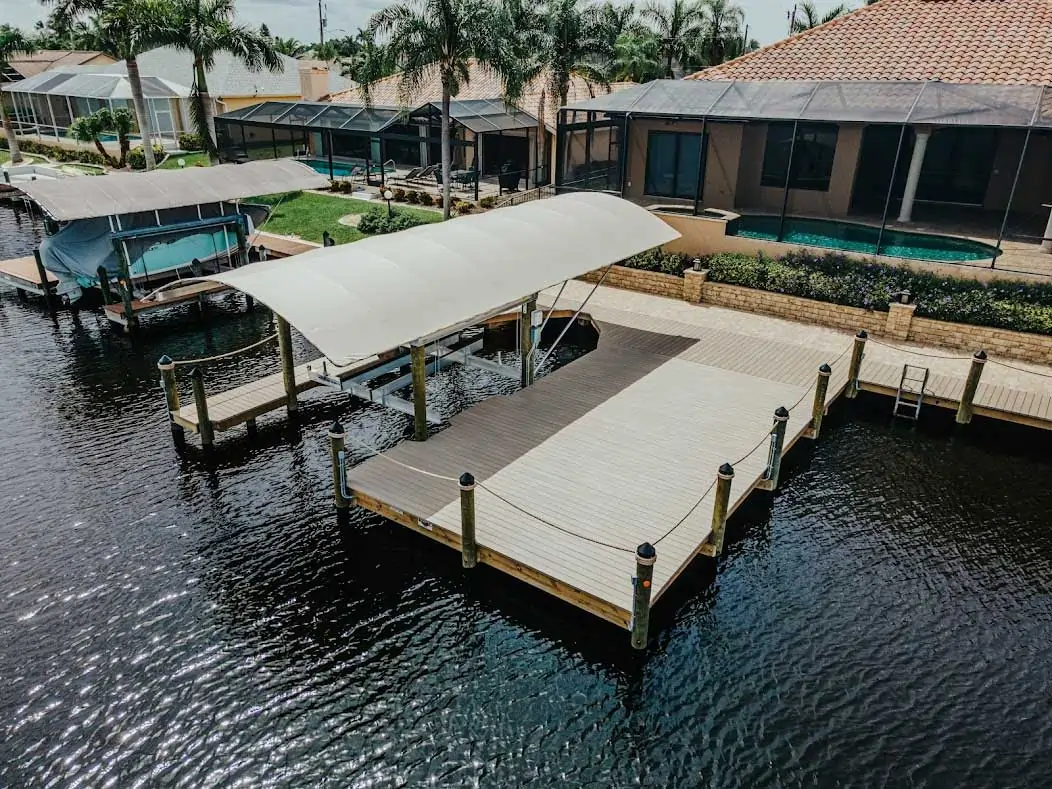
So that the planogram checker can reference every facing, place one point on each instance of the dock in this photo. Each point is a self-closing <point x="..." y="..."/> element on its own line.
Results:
<point x="622" y="446"/>
<point x="24" y="275"/>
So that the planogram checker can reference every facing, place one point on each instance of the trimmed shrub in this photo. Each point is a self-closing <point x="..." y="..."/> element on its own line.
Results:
<point x="376" y="221"/>
<point x="438" y="201"/>
<point x="426" y="199"/>
<point x="137" y="157"/>
<point x="399" y="195"/>
<point x="659" y="260"/>
<point x="465" y="208"/>
<point x="837" y="279"/>
<point x="488" y="202"/>
<point x="412" y="196"/>
<point x="190" y="142"/>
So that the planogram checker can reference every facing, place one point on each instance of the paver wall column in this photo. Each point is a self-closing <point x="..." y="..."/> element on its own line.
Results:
<point x="913" y="179"/>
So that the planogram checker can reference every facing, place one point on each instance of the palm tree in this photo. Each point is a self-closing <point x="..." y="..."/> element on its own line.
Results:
<point x="636" y="58"/>
<point x="722" y="32"/>
<point x="292" y="47"/>
<point x="571" y="41"/>
<point x="678" y="27"/>
<point x="125" y="29"/>
<point x="369" y="61"/>
<point x="618" y="20"/>
<point x="12" y="42"/>
<point x="430" y="38"/>
<point x="808" y="16"/>
<point x="205" y="28"/>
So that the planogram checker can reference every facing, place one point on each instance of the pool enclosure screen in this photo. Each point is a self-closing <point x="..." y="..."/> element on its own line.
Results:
<point x="950" y="129"/>
<point x="47" y="103"/>
<point x="487" y="138"/>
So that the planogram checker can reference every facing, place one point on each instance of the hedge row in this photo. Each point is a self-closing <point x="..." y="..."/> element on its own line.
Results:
<point x="377" y="221"/>
<point x="57" y="152"/>
<point x="837" y="279"/>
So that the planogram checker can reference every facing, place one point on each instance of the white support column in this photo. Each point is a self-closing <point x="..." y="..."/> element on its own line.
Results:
<point x="908" y="196"/>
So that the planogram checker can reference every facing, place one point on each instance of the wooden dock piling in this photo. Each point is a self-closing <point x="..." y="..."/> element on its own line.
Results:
<point x="418" y="363"/>
<point x="774" y="455"/>
<point x="526" y="341"/>
<point x="468" y="545"/>
<point x="857" y="352"/>
<point x="204" y="425"/>
<point x="818" y="409"/>
<point x="337" y="442"/>
<point x="171" y="395"/>
<point x="724" y="478"/>
<point x="971" y="384"/>
<point x="288" y="366"/>
<point x="104" y="285"/>
<point x="49" y="298"/>
<point x="646" y="556"/>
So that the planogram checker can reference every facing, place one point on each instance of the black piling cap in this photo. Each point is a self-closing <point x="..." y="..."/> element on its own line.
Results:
<point x="727" y="470"/>
<point x="646" y="551"/>
<point x="337" y="428"/>
<point x="164" y="360"/>
<point x="196" y="373"/>
<point x="781" y="412"/>
<point x="467" y="480"/>
<point x="980" y="355"/>
<point x="825" y="369"/>
<point x="862" y="334"/>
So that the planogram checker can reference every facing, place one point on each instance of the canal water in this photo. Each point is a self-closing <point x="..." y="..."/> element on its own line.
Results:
<point x="884" y="620"/>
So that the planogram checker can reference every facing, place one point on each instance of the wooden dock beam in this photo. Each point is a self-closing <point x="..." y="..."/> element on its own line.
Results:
<point x="204" y="424"/>
<point x="641" y="587"/>
<point x="418" y="364"/>
<point x="774" y="455"/>
<point x="468" y="546"/>
<point x="857" y="352"/>
<point x="971" y="384"/>
<point x="288" y="366"/>
<point x="724" y="478"/>
<point x="818" y="409"/>
<point x="171" y="396"/>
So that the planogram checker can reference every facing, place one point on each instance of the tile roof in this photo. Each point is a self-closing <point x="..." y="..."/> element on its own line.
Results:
<point x="46" y="59"/>
<point x="963" y="41"/>
<point x="483" y="84"/>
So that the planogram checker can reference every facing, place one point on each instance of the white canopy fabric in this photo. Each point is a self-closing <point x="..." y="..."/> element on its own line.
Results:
<point x="360" y="299"/>
<point x="128" y="193"/>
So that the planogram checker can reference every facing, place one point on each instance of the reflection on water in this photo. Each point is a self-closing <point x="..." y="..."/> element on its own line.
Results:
<point x="167" y="621"/>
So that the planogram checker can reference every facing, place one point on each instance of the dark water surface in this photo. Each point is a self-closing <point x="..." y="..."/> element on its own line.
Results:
<point x="166" y="621"/>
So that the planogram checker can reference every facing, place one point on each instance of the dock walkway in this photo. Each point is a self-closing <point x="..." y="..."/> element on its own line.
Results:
<point x="617" y="448"/>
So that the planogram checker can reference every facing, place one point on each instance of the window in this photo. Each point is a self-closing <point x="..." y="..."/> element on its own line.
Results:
<point x="812" y="157"/>
<point x="673" y="161"/>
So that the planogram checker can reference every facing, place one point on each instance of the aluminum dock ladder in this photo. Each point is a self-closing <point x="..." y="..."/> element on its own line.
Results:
<point x="910" y="396"/>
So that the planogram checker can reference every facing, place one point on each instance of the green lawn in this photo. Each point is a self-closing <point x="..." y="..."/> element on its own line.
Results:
<point x="27" y="158"/>
<point x="191" y="159"/>
<point x="308" y="215"/>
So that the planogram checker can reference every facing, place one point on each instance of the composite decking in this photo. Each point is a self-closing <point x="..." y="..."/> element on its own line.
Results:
<point x="616" y="448"/>
<point x="22" y="273"/>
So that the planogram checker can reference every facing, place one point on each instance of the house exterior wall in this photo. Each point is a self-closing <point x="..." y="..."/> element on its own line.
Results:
<point x="753" y="196"/>
<point x="734" y="168"/>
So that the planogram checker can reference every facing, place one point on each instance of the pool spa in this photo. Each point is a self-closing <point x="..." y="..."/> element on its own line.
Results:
<point x="856" y="237"/>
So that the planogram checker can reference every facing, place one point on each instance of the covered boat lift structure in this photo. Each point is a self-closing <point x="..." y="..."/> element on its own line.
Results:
<point x="110" y="223"/>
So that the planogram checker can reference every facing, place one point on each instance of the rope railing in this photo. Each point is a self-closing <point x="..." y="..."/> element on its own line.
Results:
<point x="228" y="354"/>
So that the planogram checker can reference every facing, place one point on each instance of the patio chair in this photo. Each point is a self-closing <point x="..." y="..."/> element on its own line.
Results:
<point x="405" y="179"/>
<point x="465" y="178"/>
<point x="425" y="173"/>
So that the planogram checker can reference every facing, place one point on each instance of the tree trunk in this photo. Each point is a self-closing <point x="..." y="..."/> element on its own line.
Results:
<point x="142" y="113"/>
<point x="668" y="66"/>
<point x="208" y="133"/>
<point x="9" y="130"/>
<point x="103" y="152"/>
<point x="447" y="152"/>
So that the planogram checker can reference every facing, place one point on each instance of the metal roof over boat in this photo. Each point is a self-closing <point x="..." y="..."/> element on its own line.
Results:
<point x="128" y="193"/>
<point x="356" y="300"/>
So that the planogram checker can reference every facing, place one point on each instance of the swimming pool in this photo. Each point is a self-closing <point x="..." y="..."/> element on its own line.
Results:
<point x="322" y="166"/>
<point x="856" y="237"/>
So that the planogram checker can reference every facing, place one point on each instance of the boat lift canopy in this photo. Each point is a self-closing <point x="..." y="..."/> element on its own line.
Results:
<point x="412" y="287"/>
<point x="128" y="193"/>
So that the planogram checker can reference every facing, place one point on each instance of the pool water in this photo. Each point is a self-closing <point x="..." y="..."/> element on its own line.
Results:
<point x="106" y="137"/>
<point x="322" y="166"/>
<point x="856" y="237"/>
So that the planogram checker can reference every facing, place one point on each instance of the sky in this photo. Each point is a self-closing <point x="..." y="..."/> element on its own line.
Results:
<point x="767" y="19"/>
